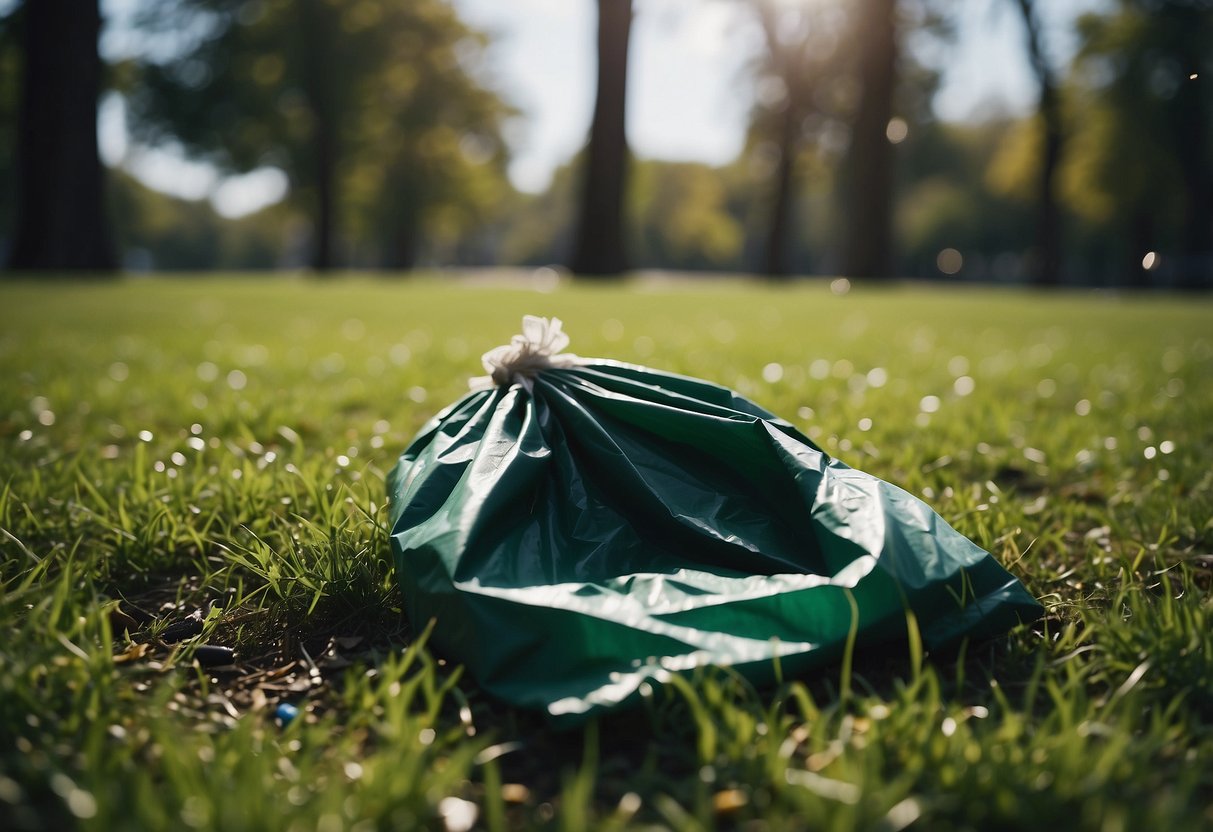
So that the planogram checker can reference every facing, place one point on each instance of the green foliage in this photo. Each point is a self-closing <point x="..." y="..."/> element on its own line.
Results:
<point x="950" y="198"/>
<point x="384" y="97"/>
<point x="539" y="227"/>
<point x="1142" y="165"/>
<point x="809" y="83"/>
<point x="10" y="105"/>
<point x="221" y="444"/>
<point x="681" y="217"/>
<point x="1136" y="64"/>
<point x="419" y="171"/>
<point x="162" y="232"/>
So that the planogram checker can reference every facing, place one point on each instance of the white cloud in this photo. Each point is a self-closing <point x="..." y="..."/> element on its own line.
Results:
<point x="240" y="195"/>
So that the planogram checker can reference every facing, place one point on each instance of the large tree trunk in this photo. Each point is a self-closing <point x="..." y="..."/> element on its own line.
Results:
<point x="318" y="30"/>
<point x="868" y="236"/>
<point x="1046" y="254"/>
<point x="598" y="247"/>
<point x="60" y="213"/>
<point x="779" y="230"/>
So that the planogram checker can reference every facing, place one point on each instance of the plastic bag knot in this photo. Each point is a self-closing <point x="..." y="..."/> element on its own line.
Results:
<point x="537" y="348"/>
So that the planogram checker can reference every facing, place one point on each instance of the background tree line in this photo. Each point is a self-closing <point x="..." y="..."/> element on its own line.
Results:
<point x="391" y="141"/>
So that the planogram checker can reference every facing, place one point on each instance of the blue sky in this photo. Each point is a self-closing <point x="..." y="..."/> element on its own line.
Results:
<point x="688" y="94"/>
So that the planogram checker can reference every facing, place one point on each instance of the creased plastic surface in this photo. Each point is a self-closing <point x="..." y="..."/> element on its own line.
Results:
<point x="613" y="524"/>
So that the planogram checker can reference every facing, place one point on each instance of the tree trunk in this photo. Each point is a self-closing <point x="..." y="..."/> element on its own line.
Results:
<point x="598" y="247"/>
<point x="781" y="206"/>
<point x="403" y="253"/>
<point x="60" y="213"/>
<point x="401" y="238"/>
<point x="1046" y="255"/>
<point x="868" y="247"/>
<point x="326" y="196"/>
<point x="318" y="31"/>
<point x="1048" y="220"/>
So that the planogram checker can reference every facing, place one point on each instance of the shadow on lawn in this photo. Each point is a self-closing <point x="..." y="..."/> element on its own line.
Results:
<point x="652" y="747"/>
<point x="304" y="656"/>
<point x="283" y="654"/>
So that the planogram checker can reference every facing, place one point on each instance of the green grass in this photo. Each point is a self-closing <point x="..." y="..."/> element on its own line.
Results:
<point x="217" y="448"/>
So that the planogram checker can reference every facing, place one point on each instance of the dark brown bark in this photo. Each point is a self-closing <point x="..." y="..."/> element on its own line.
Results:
<point x="598" y="247"/>
<point x="868" y="233"/>
<point x="318" y="31"/>
<point x="788" y="62"/>
<point x="1045" y="257"/>
<point x="779" y="230"/>
<point x="60" y="213"/>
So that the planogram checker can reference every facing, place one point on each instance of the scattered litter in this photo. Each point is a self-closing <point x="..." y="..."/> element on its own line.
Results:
<point x="181" y="630"/>
<point x="209" y="655"/>
<point x="132" y="653"/>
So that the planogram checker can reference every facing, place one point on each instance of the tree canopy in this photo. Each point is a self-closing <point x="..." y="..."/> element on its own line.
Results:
<point x="375" y="110"/>
<point x="392" y="141"/>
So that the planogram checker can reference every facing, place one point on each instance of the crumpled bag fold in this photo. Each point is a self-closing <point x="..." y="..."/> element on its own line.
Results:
<point x="580" y="528"/>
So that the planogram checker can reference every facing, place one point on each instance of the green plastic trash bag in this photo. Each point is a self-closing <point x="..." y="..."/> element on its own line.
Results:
<point x="579" y="527"/>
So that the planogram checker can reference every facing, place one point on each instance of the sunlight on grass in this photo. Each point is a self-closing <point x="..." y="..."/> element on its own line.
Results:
<point x="191" y="463"/>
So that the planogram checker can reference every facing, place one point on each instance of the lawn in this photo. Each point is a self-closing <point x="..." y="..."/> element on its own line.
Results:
<point x="191" y="465"/>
